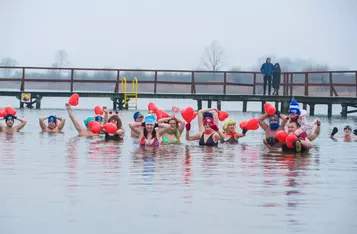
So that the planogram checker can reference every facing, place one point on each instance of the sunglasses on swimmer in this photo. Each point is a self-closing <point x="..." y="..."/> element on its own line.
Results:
<point x="347" y="127"/>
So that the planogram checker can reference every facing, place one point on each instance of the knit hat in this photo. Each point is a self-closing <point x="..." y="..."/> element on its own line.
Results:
<point x="294" y="107"/>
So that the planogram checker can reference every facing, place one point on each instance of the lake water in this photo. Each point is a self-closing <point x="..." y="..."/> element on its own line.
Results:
<point x="65" y="184"/>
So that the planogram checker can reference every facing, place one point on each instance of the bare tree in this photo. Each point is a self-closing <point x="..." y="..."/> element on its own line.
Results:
<point x="212" y="58"/>
<point x="7" y="62"/>
<point x="61" y="60"/>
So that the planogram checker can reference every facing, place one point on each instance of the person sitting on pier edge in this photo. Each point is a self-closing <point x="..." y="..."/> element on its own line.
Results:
<point x="177" y="126"/>
<point x="52" y="125"/>
<point x="273" y="127"/>
<point x="302" y="144"/>
<point x="267" y="70"/>
<point x="138" y="117"/>
<point x="229" y="131"/>
<point x="119" y="134"/>
<point x="10" y="120"/>
<point x="82" y="131"/>
<point x="209" y="136"/>
<point x="347" y="136"/>
<point x="149" y="135"/>
<point x="276" y="79"/>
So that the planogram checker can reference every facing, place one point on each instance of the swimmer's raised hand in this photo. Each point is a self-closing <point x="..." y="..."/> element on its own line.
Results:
<point x="355" y="132"/>
<point x="68" y="106"/>
<point x="334" y="131"/>
<point x="105" y="109"/>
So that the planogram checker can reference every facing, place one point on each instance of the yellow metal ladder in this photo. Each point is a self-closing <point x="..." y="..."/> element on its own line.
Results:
<point x="130" y="99"/>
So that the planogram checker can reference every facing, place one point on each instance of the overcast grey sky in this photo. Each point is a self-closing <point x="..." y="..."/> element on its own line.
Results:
<point x="172" y="34"/>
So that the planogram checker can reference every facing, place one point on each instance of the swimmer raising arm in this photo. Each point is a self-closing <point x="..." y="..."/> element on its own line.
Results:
<point x="200" y="117"/>
<point x="9" y="120"/>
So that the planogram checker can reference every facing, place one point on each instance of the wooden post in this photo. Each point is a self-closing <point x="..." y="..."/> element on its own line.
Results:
<point x="209" y="104"/>
<point x="193" y="87"/>
<point x="304" y="106"/>
<point x="255" y="82"/>
<point x="155" y="83"/>
<point x="277" y="105"/>
<point x="245" y="106"/>
<point x="330" y="78"/>
<point x="306" y="92"/>
<point x="356" y="84"/>
<point x="285" y="107"/>
<point x="263" y="102"/>
<point x="22" y="88"/>
<point x="218" y="105"/>
<point x="117" y="85"/>
<point x="329" y="110"/>
<point x="114" y="103"/>
<point x="72" y="78"/>
<point x="38" y="102"/>
<point x="312" y="109"/>
<point x="344" y="110"/>
<point x="291" y="83"/>
<point x="225" y="84"/>
<point x="199" y="104"/>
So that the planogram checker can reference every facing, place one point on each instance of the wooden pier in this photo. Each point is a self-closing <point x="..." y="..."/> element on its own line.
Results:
<point x="308" y="88"/>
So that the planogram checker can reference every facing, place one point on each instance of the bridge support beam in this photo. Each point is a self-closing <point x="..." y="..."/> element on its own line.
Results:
<point x="118" y="104"/>
<point x="344" y="110"/>
<point x="263" y="102"/>
<point x="329" y="110"/>
<point x="285" y="107"/>
<point x="277" y="105"/>
<point x="209" y="104"/>
<point x="304" y="106"/>
<point x="199" y="104"/>
<point x="312" y="109"/>
<point x="219" y="105"/>
<point x="245" y="106"/>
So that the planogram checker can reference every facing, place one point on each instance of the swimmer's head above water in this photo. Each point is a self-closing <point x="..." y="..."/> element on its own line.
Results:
<point x="347" y="129"/>
<point x="87" y="120"/>
<point x="150" y="123"/>
<point x="98" y="118"/>
<point x="292" y="127"/>
<point x="9" y="120"/>
<point x="229" y="125"/>
<point x="52" y="122"/>
<point x="274" y="122"/>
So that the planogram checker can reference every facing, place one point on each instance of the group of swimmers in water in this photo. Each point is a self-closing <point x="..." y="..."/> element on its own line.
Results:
<point x="152" y="132"/>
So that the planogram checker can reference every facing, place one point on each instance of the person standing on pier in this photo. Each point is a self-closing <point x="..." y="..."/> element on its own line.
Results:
<point x="267" y="70"/>
<point x="10" y="120"/>
<point x="276" y="79"/>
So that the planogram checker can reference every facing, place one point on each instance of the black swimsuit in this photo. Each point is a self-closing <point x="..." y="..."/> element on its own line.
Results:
<point x="286" y="149"/>
<point x="209" y="141"/>
<point x="230" y="140"/>
<point x="115" y="137"/>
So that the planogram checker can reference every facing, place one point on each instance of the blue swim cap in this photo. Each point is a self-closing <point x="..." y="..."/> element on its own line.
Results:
<point x="98" y="118"/>
<point x="150" y="119"/>
<point x="87" y="120"/>
<point x="137" y="115"/>
<point x="207" y="114"/>
<point x="52" y="119"/>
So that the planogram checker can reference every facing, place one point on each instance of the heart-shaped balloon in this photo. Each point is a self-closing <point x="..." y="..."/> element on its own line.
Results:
<point x="281" y="136"/>
<point x="98" y="110"/>
<point x="152" y="107"/>
<point x="289" y="141"/>
<point x="10" y="111"/>
<point x="94" y="126"/>
<point x="175" y="109"/>
<point x="110" y="128"/>
<point x="271" y="110"/>
<point x="160" y="114"/>
<point x="243" y="124"/>
<point x="2" y="112"/>
<point x="222" y="115"/>
<point x="266" y="107"/>
<point x="74" y="100"/>
<point x="188" y="114"/>
<point x="252" y="124"/>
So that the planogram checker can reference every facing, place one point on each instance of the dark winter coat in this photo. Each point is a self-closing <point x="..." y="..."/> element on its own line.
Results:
<point x="276" y="76"/>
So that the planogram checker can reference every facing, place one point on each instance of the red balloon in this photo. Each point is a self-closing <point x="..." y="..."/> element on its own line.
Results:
<point x="188" y="114"/>
<point x="152" y="107"/>
<point x="74" y="100"/>
<point x="110" y="128"/>
<point x="266" y="107"/>
<point x="94" y="126"/>
<point x="281" y="136"/>
<point x="91" y="123"/>
<point x="271" y="110"/>
<point x="160" y="114"/>
<point x="2" y="112"/>
<point x="222" y="115"/>
<point x="243" y="124"/>
<point x="252" y="124"/>
<point x="98" y="110"/>
<point x="10" y="111"/>
<point x="290" y="140"/>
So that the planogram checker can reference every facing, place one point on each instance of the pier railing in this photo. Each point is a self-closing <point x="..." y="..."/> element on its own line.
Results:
<point x="310" y="83"/>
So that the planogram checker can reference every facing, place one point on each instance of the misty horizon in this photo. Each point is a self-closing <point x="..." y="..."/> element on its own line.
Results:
<point x="169" y="35"/>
